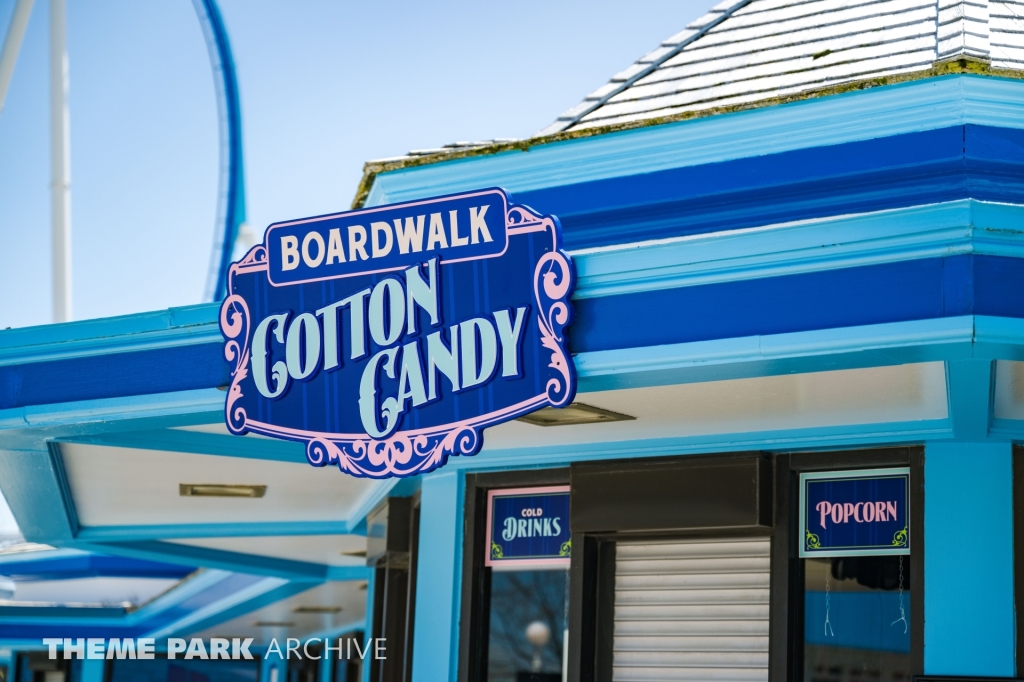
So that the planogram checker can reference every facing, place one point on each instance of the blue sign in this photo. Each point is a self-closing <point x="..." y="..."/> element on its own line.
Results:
<point x="528" y="528"/>
<point x="386" y="339"/>
<point x="855" y="513"/>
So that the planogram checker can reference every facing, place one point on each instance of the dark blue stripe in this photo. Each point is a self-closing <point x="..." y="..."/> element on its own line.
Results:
<point x="999" y="286"/>
<point x="960" y="162"/>
<point x="876" y="294"/>
<point x="113" y="376"/>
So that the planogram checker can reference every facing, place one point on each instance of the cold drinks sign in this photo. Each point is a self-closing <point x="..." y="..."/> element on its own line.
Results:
<point x="386" y="339"/>
<point x="529" y="528"/>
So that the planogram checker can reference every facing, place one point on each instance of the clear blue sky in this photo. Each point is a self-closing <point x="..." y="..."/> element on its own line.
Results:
<point x="325" y="86"/>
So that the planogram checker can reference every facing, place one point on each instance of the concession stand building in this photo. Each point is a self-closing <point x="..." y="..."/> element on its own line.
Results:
<point x="778" y="282"/>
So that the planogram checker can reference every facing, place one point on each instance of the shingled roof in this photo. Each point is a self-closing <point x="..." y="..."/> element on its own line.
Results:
<point x="751" y="53"/>
<point x="742" y="52"/>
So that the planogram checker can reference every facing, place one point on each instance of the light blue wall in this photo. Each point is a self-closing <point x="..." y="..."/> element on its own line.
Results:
<point x="439" y="577"/>
<point x="969" y="610"/>
<point x="92" y="670"/>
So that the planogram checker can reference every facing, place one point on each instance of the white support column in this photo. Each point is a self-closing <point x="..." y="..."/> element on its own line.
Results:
<point x="60" y="162"/>
<point x="12" y="45"/>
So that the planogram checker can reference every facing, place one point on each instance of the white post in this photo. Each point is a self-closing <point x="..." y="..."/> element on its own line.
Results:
<point x="12" y="45"/>
<point x="60" y="162"/>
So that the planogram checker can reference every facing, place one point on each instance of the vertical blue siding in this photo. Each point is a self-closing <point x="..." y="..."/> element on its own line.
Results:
<point x="435" y="656"/>
<point x="969" y="610"/>
<point x="92" y="670"/>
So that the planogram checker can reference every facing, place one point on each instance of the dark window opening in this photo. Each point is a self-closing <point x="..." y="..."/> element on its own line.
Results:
<point x="528" y="625"/>
<point x="857" y="619"/>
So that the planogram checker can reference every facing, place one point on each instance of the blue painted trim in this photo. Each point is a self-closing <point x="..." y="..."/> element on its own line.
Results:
<point x="969" y="627"/>
<point x="1006" y="430"/>
<point x="216" y="595"/>
<point x="371" y="587"/>
<point x="984" y="228"/>
<point x="93" y="670"/>
<point x="848" y="297"/>
<point x="42" y="556"/>
<point x="879" y="112"/>
<point x="64" y="564"/>
<point x="789" y="440"/>
<point x="232" y="191"/>
<point x="79" y="616"/>
<point x="239" y="562"/>
<point x="114" y="375"/>
<point x="61" y="476"/>
<point x="819" y="350"/>
<point x="931" y="231"/>
<point x="210" y="595"/>
<point x="34" y="492"/>
<point x="225" y="560"/>
<point x="173" y="327"/>
<point x="341" y="573"/>
<point x="179" y="408"/>
<point x="267" y="591"/>
<point x="1001" y="337"/>
<point x="200" y="443"/>
<point x="874" y="237"/>
<point x="440" y="567"/>
<point x="184" y="591"/>
<point x="198" y="586"/>
<point x="905" y="170"/>
<point x="970" y="385"/>
<point x="210" y="530"/>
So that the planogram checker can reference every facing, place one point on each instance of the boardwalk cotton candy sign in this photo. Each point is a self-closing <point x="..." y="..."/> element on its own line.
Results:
<point x="386" y="339"/>
<point x="855" y="513"/>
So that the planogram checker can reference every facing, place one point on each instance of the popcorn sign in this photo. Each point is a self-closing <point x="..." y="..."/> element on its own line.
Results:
<point x="855" y="513"/>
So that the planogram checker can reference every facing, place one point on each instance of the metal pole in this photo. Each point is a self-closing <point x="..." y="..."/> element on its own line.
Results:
<point x="60" y="161"/>
<point x="12" y="45"/>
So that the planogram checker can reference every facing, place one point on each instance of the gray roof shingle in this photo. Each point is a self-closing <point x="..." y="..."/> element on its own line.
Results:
<point x="743" y="51"/>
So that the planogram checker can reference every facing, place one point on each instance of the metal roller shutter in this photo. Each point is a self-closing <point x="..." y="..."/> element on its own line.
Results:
<point x="695" y="610"/>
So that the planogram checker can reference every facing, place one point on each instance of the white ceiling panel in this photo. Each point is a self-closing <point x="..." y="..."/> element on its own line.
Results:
<point x="120" y="592"/>
<point x="791" y="401"/>
<point x="125" y="486"/>
<point x="1009" y="393"/>
<point x="128" y="486"/>
<point x="333" y="550"/>
<point x="290" y="621"/>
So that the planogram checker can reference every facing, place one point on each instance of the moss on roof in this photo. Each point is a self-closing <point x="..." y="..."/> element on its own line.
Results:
<point x="945" y="68"/>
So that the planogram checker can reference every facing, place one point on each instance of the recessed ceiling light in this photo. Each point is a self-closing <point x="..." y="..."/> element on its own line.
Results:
<point x="316" y="609"/>
<point x="357" y="552"/>
<point x="220" y="490"/>
<point x="273" y="624"/>
<point x="576" y="413"/>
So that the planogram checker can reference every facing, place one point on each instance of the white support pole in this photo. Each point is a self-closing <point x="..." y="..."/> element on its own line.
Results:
<point x="12" y="45"/>
<point x="60" y="161"/>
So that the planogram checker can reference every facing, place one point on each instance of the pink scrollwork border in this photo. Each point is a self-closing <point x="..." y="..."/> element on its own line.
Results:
<point x="408" y="453"/>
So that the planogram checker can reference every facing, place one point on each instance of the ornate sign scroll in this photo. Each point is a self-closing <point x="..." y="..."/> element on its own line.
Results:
<point x="386" y="339"/>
